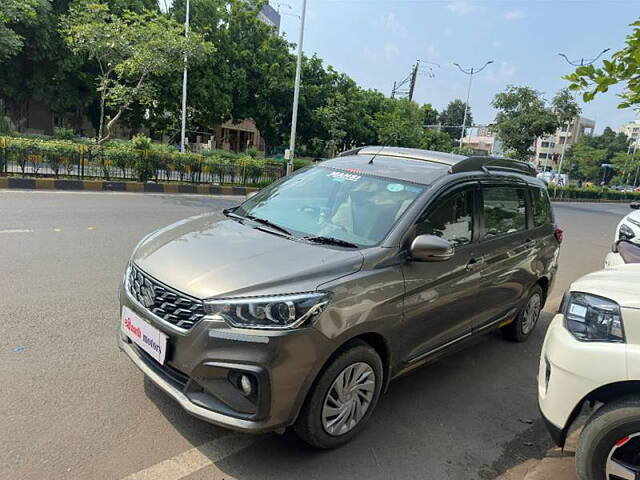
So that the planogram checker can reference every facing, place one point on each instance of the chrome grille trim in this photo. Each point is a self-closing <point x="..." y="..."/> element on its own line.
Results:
<point x="164" y="302"/>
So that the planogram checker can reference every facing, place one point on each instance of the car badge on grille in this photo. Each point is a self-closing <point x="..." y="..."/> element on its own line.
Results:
<point x="147" y="295"/>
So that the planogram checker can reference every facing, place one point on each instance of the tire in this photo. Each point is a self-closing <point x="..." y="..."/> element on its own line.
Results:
<point x="521" y="328"/>
<point x="611" y="424"/>
<point x="364" y="362"/>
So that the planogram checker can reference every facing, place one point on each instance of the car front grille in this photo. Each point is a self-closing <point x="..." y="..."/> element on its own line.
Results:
<point x="164" y="302"/>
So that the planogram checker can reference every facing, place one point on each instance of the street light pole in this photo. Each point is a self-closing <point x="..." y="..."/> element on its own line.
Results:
<point x="582" y="63"/>
<point x="184" y="85"/>
<point x="471" y="72"/>
<point x="296" y="93"/>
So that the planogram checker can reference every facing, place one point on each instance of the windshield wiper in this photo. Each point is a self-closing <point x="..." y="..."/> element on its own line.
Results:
<point x="229" y="212"/>
<point x="331" y="241"/>
<point x="268" y="223"/>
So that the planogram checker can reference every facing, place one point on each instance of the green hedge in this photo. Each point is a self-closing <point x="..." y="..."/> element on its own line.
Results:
<point x="121" y="159"/>
<point x="592" y="193"/>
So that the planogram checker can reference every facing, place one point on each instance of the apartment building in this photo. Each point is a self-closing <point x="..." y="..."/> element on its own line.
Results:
<point x="631" y="130"/>
<point x="548" y="149"/>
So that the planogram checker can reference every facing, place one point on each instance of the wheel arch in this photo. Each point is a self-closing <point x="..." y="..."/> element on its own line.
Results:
<point x="603" y="394"/>
<point x="374" y="340"/>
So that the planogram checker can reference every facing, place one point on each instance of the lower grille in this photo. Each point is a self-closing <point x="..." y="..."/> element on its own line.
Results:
<point x="170" y="305"/>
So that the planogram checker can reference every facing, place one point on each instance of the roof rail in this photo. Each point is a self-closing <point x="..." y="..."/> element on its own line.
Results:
<point x="492" y="163"/>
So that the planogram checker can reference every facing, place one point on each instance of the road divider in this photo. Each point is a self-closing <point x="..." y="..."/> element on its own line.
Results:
<point x="112" y="186"/>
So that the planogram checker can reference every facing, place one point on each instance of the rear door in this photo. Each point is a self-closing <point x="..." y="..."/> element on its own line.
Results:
<point x="505" y="248"/>
<point x="440" y="296"/>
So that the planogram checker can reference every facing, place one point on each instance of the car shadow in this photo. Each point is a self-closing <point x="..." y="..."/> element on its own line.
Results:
<point x="471" y="415"/>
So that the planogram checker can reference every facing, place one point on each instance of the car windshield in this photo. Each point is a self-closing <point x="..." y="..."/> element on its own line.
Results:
<point x="321" y="203"/>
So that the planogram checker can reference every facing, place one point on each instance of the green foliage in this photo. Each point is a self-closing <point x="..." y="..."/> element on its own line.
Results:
<point x="14" y="13"/>
<point x="584" y="159"/>
<point x="591" y="193"/>
<point x="565" y="106"/>
<point x="623" y="68"/>
<point x="522" y="117"/>
<point x="129" y="49"/>
<point x="454" y="115"/>
<point x="149" y="161"/>
<point x="401" y="126"/>
<point x="62" y="133"/>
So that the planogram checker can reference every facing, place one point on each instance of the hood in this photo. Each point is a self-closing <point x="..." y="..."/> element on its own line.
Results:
<point x="206" y="256"/>
<point x="621" y="284"/>
<point x="635" y="215"/>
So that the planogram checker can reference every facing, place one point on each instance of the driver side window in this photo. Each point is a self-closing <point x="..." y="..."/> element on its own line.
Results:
<point x="450" y="218"/>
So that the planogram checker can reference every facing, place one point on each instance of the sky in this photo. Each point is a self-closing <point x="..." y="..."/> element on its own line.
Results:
<point x="376" y="42"/>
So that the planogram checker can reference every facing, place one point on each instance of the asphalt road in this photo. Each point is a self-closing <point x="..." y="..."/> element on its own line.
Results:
<point x="73" y="406"/>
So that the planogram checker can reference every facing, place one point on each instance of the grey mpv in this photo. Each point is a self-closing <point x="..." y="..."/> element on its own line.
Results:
<point x="299" y="306"/>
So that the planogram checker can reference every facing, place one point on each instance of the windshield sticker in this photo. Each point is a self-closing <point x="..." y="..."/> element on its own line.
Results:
<point x="342" y="176"/>
<point x="395" y="187"/>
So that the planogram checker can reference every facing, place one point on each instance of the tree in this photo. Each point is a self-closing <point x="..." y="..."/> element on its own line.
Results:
<point x="452" y="118"/>
<point x="13" y="12"/>
<point x="429" y="115"/>
<point x="128" y="49"/>
<point x="522" y="117"/>
<point x="623" y="68"/>
<point x="585" y="162"/>
<point x="332" y="118"/>
<point x="401" y="126"/>
<point x="565" y="106"/>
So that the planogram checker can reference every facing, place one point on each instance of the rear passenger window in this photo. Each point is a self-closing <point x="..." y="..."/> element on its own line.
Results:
<point x="540" y="206"/>
<point x="504" y="210"/>
<point x="451" y="218"/>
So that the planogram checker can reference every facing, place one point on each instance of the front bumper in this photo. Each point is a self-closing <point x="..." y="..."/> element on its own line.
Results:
<point x="569" y="371"/>
<point x="200" y="360"/>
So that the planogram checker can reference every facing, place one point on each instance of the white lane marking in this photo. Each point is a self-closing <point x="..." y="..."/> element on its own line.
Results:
<point x="195" y="459"/>
<point x="16" y="230"/>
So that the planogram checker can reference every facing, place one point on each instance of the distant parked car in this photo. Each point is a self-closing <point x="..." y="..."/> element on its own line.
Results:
<point x="591" y="356"/>
<point x="629" y="226"/>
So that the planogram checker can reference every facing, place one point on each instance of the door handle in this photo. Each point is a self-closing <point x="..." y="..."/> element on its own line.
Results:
<point x="475" y="263"/>
<point x="530" y="244"/>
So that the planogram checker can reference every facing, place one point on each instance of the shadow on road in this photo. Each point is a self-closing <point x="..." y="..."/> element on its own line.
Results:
<point x="450" y="419"/>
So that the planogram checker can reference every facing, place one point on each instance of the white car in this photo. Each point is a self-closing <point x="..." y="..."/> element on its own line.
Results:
<point x="629" y="226"/>
<point x="623" y="252"/>
<point x="591" y="357"/>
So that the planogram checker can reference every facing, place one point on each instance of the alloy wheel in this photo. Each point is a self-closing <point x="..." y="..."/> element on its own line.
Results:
<point x="623" y="462"/>
<point x="348" y="399"/>
<point x="531" y="313"/>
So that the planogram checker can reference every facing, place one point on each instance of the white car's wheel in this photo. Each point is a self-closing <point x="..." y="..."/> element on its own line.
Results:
<point x="609" y="446"/>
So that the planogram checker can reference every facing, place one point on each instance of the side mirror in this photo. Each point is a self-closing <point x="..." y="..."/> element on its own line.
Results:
<point x="429" y="248"/>
<point x="251" y="194"/>
<point x="635" y="206"/>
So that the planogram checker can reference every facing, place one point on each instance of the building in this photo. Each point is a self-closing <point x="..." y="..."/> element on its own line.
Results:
<point x="270" y="16"/>
<point x="484" y="143"/>
<point x="631" y="130"/>
<point x="548" y="149"/>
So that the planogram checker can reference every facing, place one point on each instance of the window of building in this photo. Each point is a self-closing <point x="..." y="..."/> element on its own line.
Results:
<point x="544" y="144"/>
<point x="451" y="218"/>
<point x="504" y="210"/>
<point x="542" y="155"/>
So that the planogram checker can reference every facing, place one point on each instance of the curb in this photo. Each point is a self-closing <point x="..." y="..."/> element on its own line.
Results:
<point x="109" y="186"/>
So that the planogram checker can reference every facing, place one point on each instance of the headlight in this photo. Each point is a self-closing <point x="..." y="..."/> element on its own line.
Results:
<point x="593" y="319"/>
<point x="625" y="233"/>
<point x="274" y="312"/>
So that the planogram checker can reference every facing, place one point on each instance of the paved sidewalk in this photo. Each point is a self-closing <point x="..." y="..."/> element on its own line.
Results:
<point x="556" y="465"/>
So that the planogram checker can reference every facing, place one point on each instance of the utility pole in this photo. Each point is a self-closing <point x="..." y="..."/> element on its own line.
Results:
<point x="296" y="93"/>
<point x="583" y="62"/>
<point x="184" y="85"/>
<point x="471" y="72"/>
<point x="414" y="76"/>
<point x="393" y="92"/>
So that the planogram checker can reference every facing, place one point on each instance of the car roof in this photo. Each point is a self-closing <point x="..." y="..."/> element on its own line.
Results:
<point x="426" y="166"/>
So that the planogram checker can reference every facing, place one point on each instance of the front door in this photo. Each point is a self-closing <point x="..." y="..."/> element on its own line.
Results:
<point x="440" y="296"/>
